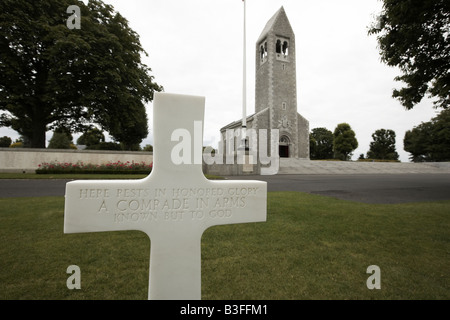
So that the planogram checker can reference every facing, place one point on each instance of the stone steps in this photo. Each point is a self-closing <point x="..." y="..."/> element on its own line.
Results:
<point x="304" y="166"/>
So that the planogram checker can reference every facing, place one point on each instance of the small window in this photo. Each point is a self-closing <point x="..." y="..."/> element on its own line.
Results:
<point x="285" y="48"/>
<point x="282" y="49"/>
<point x="284" y="106"/>
<point x="284" y="140"/>
<point x="278" y="46"/>
<point x="263" y="52"/>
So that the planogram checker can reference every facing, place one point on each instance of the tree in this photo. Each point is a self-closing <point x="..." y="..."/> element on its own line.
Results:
<point x="416" y="142"/>
<point x="344" y="142"/>
<point x="60" y="140"/>
<point x="148" y="148"/>
<point x="430" y="141"/>
<point x="92" y="136"/>
<point x="5" y="142"/>
<point x="383" y="145"/>
<point x="321" y="144"/>
<point x="414" y="36"/>
<point x="440" y="148"/>
<point x="53" y="76"/>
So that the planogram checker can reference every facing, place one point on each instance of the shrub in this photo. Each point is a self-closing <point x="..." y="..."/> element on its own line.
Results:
<point x="105" y="146"/>
<point x="108" y="168"/>
<point x="17" y="145"/>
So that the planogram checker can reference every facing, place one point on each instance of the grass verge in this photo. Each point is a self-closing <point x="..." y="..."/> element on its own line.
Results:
<point x="311" y="247"/>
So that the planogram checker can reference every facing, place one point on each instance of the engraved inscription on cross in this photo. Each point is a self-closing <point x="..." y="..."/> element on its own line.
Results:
<point x="174" y="205"/>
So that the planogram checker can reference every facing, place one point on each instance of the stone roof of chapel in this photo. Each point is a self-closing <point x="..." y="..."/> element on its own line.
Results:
<point x="271" y="23"/>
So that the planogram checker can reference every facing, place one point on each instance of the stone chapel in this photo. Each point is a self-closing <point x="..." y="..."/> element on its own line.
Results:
<point x="276" y="91"/>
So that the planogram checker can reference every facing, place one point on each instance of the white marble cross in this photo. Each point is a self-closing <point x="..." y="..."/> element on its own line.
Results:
<point x="174" y="205"/>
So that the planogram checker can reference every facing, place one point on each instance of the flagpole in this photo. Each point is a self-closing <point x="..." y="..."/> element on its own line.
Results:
<point x="244" y="82"/>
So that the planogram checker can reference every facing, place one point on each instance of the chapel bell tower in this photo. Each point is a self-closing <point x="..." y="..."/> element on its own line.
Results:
<point x="276" y="93"/>
<point x="276" y="84"/>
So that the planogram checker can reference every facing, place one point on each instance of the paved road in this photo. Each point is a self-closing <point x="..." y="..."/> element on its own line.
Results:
<point x="32" y="187"/>
<point x="380" y="188"/>
<point x="368" y="188"/>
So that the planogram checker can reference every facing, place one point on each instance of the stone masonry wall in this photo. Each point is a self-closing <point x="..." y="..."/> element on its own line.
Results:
<point x="28" y="160"/>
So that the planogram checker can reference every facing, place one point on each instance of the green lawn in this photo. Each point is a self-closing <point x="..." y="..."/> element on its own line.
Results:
<point x="311" y="247"/>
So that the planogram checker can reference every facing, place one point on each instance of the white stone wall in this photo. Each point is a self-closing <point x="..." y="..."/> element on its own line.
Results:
<point x="28" y="160"/>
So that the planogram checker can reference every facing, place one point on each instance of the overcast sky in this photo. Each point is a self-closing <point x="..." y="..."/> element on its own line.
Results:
<point x="195" y="47"/>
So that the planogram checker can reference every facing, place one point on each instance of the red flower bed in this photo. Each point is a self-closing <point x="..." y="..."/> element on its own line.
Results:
<point x="80" y="167"/>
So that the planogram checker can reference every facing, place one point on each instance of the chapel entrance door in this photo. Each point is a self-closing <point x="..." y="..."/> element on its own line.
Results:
<point x="283" y="150"/>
